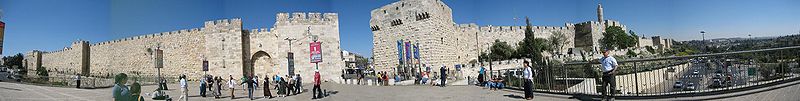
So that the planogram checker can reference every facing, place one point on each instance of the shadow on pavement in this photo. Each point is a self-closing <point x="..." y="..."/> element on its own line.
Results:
<point x="514" y="96"/>
<point x="582" y="97"/>
<point x="11" y="88"/>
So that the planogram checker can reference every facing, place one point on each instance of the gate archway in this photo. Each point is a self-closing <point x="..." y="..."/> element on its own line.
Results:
<point x="263" y="64"/>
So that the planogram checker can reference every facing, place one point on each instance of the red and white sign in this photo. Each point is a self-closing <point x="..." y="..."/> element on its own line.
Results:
<point x="316" y="52"/>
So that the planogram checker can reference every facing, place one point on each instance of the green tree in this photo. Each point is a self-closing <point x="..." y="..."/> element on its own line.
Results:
<point x="361" y="61"/>
<point x="650" y="49"/>
<point x="615" y="37"/>
<point x="631" y="53"/>
<point x="14" y="60"/>
<point x="557" y="41"/>
<point x="483" y="57"/>
<point x="43" y="73"/>
<point x="530" y="46"/>
<point x="501" y="51"/>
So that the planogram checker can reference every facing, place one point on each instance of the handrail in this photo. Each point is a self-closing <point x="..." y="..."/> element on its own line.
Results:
<point x="688" y="56"/>
<point x="656" y="82"/>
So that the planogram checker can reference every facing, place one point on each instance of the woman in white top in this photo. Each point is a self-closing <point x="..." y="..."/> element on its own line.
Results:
<point x="232" y="85"/>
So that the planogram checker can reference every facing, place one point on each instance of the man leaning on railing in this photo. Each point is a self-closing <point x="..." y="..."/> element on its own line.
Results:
<point x="609" y="67"/>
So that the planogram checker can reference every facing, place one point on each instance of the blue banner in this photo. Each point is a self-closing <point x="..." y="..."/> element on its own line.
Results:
<point x="400" y="51"/>
<point x="408" y="50"/>
<point x="416" y="51"/>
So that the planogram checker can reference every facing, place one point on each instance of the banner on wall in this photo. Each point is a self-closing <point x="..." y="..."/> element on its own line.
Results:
<point x="159" y="58"/>
<point x="316" y="52"/>
<point x="2" y="31"/>
<point x="416" y="51"/>
<point x="408" y="50"/>
<point x="400" y="51"/>
<point x="205" y="65"/>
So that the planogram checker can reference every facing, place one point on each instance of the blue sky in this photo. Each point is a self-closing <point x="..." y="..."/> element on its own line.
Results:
<point x="53" y="24"/>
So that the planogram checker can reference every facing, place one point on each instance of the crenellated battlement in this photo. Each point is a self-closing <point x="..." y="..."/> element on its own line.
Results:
<point x="491" y="28"/>
<point x="224" y="22"/>
<point x="467" y="25"/>
<point x="57" y="51"/>
<point x="147" y="36"/>
<point x="80" y="42"/>
<point x="306" y="18"/>
<point x="259" y="30"/>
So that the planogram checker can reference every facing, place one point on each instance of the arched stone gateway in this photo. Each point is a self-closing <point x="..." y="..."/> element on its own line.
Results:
<point x="263" y="64"/>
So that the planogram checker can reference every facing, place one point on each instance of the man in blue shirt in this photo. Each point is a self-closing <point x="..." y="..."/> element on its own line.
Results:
<point x="120" y="92"/>
<point x="609" y="67"/>
<point x="481" y="76"/>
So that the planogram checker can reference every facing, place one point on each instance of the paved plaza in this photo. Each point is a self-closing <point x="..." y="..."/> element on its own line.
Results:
<point x="339" y="92"/>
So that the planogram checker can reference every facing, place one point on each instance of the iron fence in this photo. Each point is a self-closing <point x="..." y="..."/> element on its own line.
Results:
<point x="692" y="74"/>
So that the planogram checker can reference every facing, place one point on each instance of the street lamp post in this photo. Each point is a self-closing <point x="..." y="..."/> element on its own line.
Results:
<point x="490" y="63"/>
<point x="704" y="40"/>
<point x="290" y="57"/>
<point x="290" y="43"/>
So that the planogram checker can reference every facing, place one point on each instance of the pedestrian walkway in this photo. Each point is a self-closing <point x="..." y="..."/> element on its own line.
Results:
<point x="344" y="92"/>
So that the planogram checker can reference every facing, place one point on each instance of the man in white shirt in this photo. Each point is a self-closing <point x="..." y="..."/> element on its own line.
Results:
<point x="77" y="80"/>
<point x="184" y="90"/>
<point x="231" y="85"/>
<point x="528" y="75"/>
<point x="609" y="67"/>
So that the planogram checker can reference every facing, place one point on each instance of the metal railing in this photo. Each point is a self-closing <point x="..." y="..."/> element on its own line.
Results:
<point x="675" y="75"/>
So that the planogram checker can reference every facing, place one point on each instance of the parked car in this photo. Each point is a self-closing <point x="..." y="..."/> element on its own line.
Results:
<point x="716" y="83"/>
<point x="690" y="86"/>
<point x="717" y="76"/>
<point x="678" y="84"/>
<point x="351" y="73"/>
<point x="695" y="72"/>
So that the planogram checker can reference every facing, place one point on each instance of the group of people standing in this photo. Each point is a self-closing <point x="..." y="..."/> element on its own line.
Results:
<point x="285" y="86"/>
<point x="383" y="78"/>
<point x="121" y="92"/>
<point x="497" y="82"/>
<point x="608" y="66"/>
<point x="424" y="76"/>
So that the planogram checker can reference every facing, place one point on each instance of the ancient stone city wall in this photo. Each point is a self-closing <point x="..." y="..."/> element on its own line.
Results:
<point x="228" y="49"/>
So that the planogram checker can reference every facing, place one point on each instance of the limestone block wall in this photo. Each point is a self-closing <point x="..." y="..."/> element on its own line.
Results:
<point x="228" y="49"/>
<point x="264" y="58"/>
<point x="509" y="34"/>
<point x="515" y="34"/>
<point x="302" y="27"/>
<point x="224" y="47"/>
<point x="131" y="55"/>
<point x="644" y="42"/>
<point x="468" y="43"/>
<point x="67" y="59"/>
<point x="426" y="22"/>
<point x="590" y="34"/>
<point x="32" y="59"/>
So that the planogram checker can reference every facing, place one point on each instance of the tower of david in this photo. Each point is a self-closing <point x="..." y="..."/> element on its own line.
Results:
<point x="429" y="24"/>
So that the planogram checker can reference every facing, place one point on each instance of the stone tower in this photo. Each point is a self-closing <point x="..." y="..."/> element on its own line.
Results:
<point x="83" y="53"/>
<point x="600" y="13"/>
